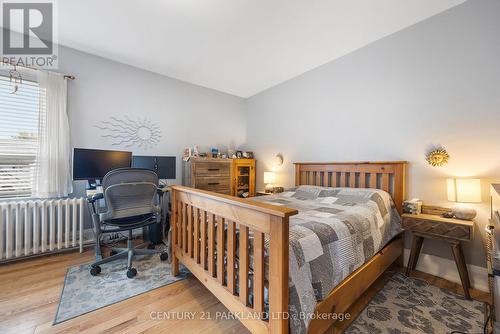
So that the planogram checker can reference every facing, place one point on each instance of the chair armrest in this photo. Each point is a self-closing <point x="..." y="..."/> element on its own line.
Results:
<point x="95" y="197"/>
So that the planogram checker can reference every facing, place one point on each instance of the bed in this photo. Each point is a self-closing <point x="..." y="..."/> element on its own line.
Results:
<point x="239" y="248"/>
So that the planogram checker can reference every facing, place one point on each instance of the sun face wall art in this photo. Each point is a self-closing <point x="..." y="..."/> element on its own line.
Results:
<point x="126" y="132"/>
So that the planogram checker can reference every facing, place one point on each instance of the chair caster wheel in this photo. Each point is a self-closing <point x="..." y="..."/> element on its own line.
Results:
<point x="163" y="256"/>
<point x="95" y="270"/>
<point x="151" y="246"/>
<point x="113" y="252"/>
<point x="131" y="273"/>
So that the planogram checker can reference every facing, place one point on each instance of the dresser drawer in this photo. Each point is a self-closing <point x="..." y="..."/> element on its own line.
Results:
<point x="217" y="184"/>
<point x="438" y="229"/>
<point x="212" y="169"/>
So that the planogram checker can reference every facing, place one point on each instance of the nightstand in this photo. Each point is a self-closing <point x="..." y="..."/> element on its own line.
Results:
<point x="430" y="224"/>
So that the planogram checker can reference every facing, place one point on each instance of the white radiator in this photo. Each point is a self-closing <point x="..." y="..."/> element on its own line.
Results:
<point x="40" y="226"/>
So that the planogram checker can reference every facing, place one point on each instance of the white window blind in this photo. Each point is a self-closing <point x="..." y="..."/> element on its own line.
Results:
<point x="19" y="117"/>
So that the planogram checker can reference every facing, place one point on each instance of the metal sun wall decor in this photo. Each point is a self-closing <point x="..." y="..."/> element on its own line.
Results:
<point x="127" y="132"/>
<point x="437" y="157"/>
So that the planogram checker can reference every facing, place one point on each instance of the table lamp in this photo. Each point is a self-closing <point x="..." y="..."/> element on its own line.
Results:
<point x="464" y="191"/>
<point x="269" y="179"/>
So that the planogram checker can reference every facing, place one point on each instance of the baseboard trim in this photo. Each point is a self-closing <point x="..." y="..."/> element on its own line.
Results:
<point x="447" y="269"/>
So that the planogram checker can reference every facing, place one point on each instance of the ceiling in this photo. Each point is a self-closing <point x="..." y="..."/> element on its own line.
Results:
<point x="241" y="47"/>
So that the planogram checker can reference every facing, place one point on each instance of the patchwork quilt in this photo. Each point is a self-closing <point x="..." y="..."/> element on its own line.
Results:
<point x="335" y="232"/>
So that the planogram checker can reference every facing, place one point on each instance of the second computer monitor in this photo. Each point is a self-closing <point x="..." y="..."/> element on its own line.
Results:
<point x="163" y="166"/>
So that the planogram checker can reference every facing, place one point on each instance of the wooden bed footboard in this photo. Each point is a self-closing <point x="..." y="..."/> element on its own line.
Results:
<point x="213" y="235"/>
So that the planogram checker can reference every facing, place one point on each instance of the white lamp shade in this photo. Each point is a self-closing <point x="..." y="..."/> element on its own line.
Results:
<point x="269" y="177"/>
<point x="464" y="190"/>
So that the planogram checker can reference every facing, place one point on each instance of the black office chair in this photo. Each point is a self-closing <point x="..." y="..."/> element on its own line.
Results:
<point x="130" y="196"/>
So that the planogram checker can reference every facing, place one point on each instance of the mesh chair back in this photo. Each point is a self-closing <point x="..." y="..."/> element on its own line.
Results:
<point x="129" y="192"/>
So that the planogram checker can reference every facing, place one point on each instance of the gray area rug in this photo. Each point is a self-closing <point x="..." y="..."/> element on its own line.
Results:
<point x="83" y="293"/>
<point x="409" y="305"/>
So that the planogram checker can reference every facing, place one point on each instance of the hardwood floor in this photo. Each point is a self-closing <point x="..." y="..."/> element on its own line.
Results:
<point x="30" y="291"/>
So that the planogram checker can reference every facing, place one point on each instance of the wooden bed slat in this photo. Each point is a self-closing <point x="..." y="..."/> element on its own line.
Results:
<point x="362" y="180"/>
<point x="175" y="233"/>
<point x="231" y="256"/>
<point x="220" y="249"/>
<point x="189" y="249"/>
<point x="373" y="180"/>
<point x="203" y="236"/>
<point x="196" y="237"/>
<point x="385" y="182"/>
<point x="177" y="220"/>
<point x="179" y="223"/>
<point x="352" y="180"/>
<point x="342" y="179"/>
<point x="278" y="276"/>
<point x="399" y="185"/>
<point x="243" y="270"/>
<point x="211" y="244"/>
<point x="184" y="227"/>
<point x="258" y="271"/>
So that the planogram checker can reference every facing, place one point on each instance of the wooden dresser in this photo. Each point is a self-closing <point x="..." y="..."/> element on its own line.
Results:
<point x="234" y="177"/>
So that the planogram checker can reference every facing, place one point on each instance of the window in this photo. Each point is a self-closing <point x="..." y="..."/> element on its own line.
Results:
<point x="19" y="117"/>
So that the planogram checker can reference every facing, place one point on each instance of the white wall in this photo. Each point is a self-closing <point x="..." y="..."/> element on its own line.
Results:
<point x="437" y="82"/>
<point x="187" y="114"/>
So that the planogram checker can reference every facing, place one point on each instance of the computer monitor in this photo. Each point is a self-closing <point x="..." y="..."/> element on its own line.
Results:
<point x="163" y="166"/>
<point x="91" y="164"/>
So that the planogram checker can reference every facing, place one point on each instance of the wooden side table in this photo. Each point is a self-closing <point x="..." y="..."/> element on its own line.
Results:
<point x="452" y="231"/>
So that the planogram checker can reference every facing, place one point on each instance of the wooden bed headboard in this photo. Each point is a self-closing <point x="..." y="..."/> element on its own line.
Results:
<point x="387" y="175"/>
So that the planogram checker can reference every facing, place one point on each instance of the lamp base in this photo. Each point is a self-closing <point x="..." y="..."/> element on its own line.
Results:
<point x="464" y="213"/>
